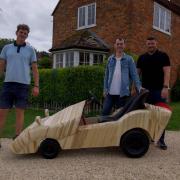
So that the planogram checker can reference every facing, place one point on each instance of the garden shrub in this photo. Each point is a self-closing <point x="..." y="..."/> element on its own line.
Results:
<point x="69" y="85"/>
<point x="175" y="92"/>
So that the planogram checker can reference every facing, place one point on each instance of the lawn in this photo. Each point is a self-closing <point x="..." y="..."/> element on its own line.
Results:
<point x="174" y="123"/>
<point x="30" y="115"/>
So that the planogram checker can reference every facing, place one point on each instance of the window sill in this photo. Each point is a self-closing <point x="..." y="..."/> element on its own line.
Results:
<point x="86" y="27"/>
<point x="158" y="29"/>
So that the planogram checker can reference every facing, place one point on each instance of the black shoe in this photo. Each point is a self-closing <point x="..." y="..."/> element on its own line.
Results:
<point x="162" y="145"/>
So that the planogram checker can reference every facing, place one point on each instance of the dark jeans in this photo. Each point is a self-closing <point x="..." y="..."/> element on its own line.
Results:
<point x="153" y="98"/>
<point x="113" y="100"/>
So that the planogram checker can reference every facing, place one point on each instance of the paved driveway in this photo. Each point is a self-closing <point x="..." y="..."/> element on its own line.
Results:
<point x="106" y="163"/>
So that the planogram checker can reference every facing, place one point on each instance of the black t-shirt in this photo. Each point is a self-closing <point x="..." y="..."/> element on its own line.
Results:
<point x="151" y="67"/>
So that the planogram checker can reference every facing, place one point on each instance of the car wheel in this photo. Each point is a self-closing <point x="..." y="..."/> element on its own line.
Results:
<point x="135" y="143"/>
<point x="49" y="148"/>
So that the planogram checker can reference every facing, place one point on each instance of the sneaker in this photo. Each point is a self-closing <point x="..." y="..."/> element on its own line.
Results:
<point x="162" y="145"/>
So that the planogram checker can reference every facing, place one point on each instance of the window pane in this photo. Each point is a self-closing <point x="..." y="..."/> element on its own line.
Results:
<point x="81" y="58"/>
<point x="59" y="60"/>
<point x="69" y="59"/>
<point x="84" y="58"/>
<point x="162" y="19"/>
<point x="95" y="59"/>
<point x="168" y="22"/>
<point x="91" y="14"/>
<point x="72" y="59"/>
<point x="82" y="16"/>
<point x="100" y="59"/>
<point x="156" y="16"/>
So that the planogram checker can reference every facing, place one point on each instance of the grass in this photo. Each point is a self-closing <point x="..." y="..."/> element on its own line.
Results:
<point x="174" y="123"/>
<point x="30" y="114"/>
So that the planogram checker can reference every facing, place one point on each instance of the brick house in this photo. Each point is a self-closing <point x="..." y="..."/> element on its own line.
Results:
<point x="84" y="31"/>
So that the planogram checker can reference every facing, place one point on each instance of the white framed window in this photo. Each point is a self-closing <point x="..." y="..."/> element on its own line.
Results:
<point x="84" y="58"/>
<point x="97" y="59"/>
<point x="69" y="59"/>
<point x="162" y="19"/>
<point x="87" y="16"/>
<point x="59" y="60"/>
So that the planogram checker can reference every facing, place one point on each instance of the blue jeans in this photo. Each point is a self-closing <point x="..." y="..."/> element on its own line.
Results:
<point x="112" y="100"/>
<point x="153" y="98"/>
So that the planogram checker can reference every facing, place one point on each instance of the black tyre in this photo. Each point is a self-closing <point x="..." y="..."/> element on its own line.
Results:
<point x="49" y="148"/>
<point x="135" y="143"/>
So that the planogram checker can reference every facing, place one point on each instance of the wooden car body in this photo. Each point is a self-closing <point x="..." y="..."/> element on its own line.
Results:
<point x="67" y="129"/>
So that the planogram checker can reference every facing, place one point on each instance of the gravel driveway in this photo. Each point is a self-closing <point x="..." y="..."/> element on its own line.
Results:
<point x="103" y="163"/>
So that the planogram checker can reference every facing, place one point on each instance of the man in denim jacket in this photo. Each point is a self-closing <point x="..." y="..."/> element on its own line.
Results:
<point x="120" y="72"/>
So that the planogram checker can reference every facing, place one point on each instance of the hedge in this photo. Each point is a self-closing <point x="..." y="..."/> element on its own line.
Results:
<point x="175" y="92"/>
<point x="69" y="85"/>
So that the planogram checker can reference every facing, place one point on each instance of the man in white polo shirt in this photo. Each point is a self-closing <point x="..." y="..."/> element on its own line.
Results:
<point x="16" y="60"/>
<point x="120" y="72"/>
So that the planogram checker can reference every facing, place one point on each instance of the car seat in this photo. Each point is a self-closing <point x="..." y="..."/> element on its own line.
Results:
<point x="134" y="103"/>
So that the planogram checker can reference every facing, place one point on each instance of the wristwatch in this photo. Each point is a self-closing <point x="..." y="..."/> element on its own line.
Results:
<point x="165" y="86"/>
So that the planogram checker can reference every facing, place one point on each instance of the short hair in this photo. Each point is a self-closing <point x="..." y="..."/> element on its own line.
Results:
<point x="23" y="27"/>
<point x="151" y="38"/>
<point x="120" y="39"/>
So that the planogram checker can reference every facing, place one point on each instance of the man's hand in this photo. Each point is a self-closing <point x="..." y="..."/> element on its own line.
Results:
<point x="165" y="93"/>
<point x="133" y="91"/>
<point x="142" y="89"/>
<point x="35" y="91"/>
<point x="105" y="94"/>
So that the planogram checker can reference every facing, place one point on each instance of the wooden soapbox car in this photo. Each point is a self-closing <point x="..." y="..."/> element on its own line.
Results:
<point x="132" y="128"/>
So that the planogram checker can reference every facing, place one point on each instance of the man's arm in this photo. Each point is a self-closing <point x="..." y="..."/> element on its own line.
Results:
<point x="2" y="67"/>
<point x="166" y="70"/>
<point x="164" y="92"/>
<point x="35" y="72"/>
<point x="134" y="75"/>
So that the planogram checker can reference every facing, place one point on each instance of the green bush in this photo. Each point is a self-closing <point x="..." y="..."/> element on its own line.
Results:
<point x="175" y="92"/>
<point x="69" y="85"/>
<point x="45" y="62"/>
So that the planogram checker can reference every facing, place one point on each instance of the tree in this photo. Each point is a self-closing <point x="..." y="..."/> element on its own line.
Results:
<point x="45" y="62"/>
<point x="3" y="42"/>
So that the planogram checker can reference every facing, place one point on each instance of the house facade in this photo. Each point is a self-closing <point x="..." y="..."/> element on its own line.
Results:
<point x="84" y="31"/>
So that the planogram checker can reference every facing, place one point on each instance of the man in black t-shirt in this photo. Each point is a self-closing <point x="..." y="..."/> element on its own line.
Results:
<point x="154" y="69"/>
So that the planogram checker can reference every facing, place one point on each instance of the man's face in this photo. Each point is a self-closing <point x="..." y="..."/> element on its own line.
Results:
<point x="151" y="45"/>
<point x="119" y="45"/>
<point x="22" y="35"/>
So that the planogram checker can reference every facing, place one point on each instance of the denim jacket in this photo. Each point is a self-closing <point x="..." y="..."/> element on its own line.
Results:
<point x="128" y="74"/>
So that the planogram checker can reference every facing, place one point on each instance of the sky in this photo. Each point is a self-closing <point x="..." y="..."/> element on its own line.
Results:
<point x="35" y="13"/>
